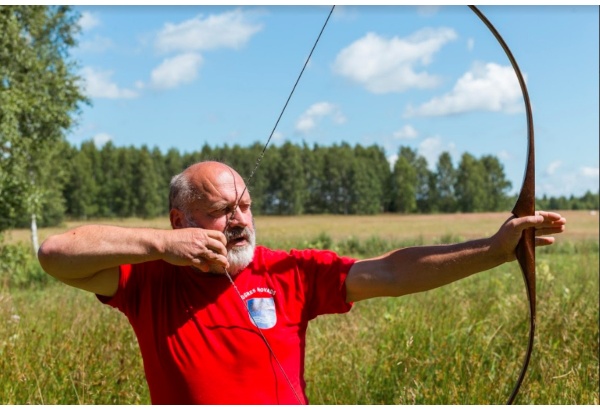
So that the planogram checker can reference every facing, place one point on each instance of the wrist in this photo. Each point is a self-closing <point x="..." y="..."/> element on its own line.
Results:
<point x="155" y="243"/>
<point x="498" y="251"/>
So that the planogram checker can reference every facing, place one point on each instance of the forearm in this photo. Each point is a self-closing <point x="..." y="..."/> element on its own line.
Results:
<point x="83" y="251"/>
<point x="417" y="269"/>
<point x="423" y="268"/>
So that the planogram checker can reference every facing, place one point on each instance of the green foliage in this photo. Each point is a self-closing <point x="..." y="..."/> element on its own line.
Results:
<point x="290" y="180"/>
<point x="19" y="267"/>
<point x="38" y="96"/>
<point x="588" y="201"/>
<point x="323" y="241"/>
<point x="445" y="180"/>
<point x="496" y="184"/>
<point x="470" y="185"/>
<point x="405" y="182"/>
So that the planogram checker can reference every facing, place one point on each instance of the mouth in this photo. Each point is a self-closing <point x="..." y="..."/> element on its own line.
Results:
<point x="237" y="239"/>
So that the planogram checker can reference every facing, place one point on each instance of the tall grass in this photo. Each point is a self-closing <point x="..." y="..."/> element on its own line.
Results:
<point x="460" y="344"/>
<point x="464" y="343"/>
<point x="60" y="346"/>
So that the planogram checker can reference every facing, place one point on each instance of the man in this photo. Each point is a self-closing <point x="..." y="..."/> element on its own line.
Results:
<point x="206" y="339"/>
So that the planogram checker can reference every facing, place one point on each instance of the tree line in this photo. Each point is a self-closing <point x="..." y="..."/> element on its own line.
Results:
<point x="119" y="182"/>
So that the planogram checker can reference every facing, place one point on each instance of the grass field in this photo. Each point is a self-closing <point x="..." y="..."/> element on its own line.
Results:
<point x="461" y="344"/>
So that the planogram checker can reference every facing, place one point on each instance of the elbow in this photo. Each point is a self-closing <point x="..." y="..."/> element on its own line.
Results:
<point x="48" y="253"/>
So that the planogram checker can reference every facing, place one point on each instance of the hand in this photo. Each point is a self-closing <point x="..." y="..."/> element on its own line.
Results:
<point x="509" y="234"/>
<point x="201" y="248"/>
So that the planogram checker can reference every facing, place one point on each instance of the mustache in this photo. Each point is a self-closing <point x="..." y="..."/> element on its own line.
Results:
<point x="238" y="232"/>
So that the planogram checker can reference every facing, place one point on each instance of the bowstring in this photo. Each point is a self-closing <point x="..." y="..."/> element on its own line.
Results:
<point x="262" y="154"/>
<point x="236" y="206"/>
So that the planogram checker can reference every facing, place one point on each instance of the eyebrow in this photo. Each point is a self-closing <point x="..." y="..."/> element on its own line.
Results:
<point x="220" y="205"/>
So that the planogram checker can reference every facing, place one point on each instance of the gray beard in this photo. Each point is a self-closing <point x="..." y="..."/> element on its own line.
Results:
<point x="240" y="257"/>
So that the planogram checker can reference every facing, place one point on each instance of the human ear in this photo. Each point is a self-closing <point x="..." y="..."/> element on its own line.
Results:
<point x="177" y="219"/>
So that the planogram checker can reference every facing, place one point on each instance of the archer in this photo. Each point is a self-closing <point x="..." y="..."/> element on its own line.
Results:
<point x="207" y="340"/>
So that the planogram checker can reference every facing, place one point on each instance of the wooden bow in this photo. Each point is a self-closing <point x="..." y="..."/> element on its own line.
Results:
<point x="524" y="206"/>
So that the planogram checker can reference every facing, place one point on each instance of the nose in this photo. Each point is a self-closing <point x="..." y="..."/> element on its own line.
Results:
<point x="239" y="217"/>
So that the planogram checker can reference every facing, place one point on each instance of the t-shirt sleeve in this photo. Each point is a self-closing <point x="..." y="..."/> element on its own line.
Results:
<point x="324" y="279"/>
<point x="124" y="299"/>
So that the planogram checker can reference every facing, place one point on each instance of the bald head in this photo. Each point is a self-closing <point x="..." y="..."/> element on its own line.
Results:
<point x="203" y="181"/>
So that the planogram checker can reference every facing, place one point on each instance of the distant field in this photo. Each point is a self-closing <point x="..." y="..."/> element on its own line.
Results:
<point x="580" y="225"/>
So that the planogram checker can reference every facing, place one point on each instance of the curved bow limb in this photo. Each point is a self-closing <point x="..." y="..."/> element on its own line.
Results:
<point x="524" y="206"/>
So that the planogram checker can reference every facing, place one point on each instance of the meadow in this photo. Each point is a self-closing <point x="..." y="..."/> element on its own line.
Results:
<point x="460" y="344"/>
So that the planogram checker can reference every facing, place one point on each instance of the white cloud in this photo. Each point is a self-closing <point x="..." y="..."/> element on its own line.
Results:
<point x="88" y="21"/>
<point x="172" y="72"/>
<point x="231" y="29"/>
<point x="101" y="139"/>
<point x="489" y="87"/>
<point x="389" y="65"/>
<point x="551" y="169"/>
<point x="308" y="120"/>
<point x="406" y="132"/>
<point x="431" y="148"/>
<point x="591" y="172"/>
<point x="98" y="84"/>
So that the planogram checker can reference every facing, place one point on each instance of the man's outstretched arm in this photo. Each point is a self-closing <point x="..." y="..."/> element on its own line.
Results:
<point x="421" y="268"/>
<point x="88" y="257"/>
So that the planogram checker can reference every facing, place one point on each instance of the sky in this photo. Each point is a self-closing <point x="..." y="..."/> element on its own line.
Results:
<point x="432" y="78"/>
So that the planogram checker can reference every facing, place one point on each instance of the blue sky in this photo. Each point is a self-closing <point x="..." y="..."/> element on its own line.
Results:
<point x="432" y="78"/>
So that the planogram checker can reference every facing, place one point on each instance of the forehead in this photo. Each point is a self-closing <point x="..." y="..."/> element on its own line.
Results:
<point x="219" y="184"/>
<point x="228" y="183"/>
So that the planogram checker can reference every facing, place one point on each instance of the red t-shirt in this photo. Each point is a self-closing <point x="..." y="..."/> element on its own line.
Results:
<point x="198" y="342"/>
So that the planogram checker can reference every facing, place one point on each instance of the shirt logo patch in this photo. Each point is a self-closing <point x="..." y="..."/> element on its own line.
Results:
<point x="262" y="312"/>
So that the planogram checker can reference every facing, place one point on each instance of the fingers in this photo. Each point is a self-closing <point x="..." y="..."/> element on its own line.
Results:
<point x="212" y="253"/>
<point x="544" y="222"/>
<point x="217" y="245"/>
<point x="550" y="216"/>
<point x="213" y="258"/>
<point x="211" y="263"/>
<point x="549" y="231"/>
<point x="204" y="249"/>
<point x="544" y="241"/>
<point x="553" y="223"/>
<point x="508" y="236"/>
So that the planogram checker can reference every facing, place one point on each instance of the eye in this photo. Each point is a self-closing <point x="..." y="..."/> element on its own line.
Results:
<point x="220" y="212"/>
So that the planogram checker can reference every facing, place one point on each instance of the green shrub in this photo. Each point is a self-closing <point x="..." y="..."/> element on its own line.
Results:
<point x="19" y="267"/>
